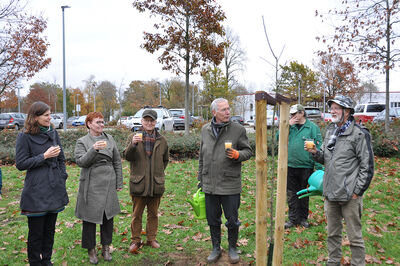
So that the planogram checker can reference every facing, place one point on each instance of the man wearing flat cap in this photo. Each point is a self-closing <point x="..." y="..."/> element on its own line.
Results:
<point x="147" y="152"/>
<point x="300" y="164"/>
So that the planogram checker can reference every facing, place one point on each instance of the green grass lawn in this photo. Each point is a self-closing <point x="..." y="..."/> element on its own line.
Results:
<point x="186" y="241"/>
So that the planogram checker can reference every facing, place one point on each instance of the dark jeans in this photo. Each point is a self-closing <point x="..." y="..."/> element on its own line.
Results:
<point x="230" y="204"/>
<point x="89" y="233"/>
<point x="41" y="238"/>
<point x="297" y="179"/>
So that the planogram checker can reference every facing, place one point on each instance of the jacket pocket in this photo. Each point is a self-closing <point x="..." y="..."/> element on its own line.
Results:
<point x="137" y="184"/>
<point x="159" y="185"/>
<point x="230" y="180"/>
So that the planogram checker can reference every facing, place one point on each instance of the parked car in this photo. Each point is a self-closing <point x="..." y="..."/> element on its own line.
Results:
<point x="271" y="119"/>
<point x="366" y="112"/>
<point x="251" y="123"/>
<point x="179" y="118"/>
<point x="313" y="114"/>
<point x="394" y="113"/>
<point x="165" y="120"/>
<point x="56" y="121"/>
<point x="71" y="119"/>
<point x="237" y="119"/>
<point x="80" y="121"/>
<point x="327" y="117"/>
<point x="12" y="120"/>
<point x="123" y="120"/>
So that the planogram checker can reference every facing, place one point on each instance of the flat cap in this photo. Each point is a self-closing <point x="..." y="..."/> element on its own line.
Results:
<point x="150" y="113"/>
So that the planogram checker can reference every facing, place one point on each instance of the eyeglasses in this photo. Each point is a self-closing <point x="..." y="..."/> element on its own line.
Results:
<point x="148" y="121"/>
<point x="334" y="109"/>
<point x="99" y="122"/>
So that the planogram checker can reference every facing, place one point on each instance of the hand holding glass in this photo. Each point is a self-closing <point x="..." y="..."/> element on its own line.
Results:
<point x="309" y="143"/>
<point x="228" y="144"/>
<point x="138" y="137"/>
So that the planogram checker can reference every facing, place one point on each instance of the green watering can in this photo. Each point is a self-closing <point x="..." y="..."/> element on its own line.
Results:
<point x="316" y="183"/>
<point x="199" y="204"/>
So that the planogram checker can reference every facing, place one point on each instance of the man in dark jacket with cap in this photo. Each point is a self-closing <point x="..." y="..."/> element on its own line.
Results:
<point x="147" y="152"/>
<point x="220" y="175"/>
<point x="349" y="167"/>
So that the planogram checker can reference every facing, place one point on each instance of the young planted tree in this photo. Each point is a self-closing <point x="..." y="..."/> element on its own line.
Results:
<point x="186" y="35"/>
<point x="367" y="32"/>
<point x="22" y="47"/>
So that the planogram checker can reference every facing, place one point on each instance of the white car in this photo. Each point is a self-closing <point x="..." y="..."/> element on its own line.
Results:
<point x="165" y="120"/>
<point x="271" y="120"/>
<point x="366" y="112"/>
<point x="56" y="121"/>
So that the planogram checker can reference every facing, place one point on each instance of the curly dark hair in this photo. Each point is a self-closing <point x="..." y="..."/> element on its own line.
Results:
<point x="36" y="109"/>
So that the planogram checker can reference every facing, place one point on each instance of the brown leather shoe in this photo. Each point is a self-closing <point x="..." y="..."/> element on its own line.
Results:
<point x="105" y="251"/>
<point x="153" y="244"/>
<point x="134" y="247"/>
<point x="93" y="256"/>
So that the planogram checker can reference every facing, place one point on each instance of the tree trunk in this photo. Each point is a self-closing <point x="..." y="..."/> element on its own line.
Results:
<point x="187" y="78"/>
<point x="387" y="71"/>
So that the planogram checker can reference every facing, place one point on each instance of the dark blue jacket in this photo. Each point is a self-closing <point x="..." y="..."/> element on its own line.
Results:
<point x="44" y="186"/>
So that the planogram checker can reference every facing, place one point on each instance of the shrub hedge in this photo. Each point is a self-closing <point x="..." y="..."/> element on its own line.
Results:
<point x="181" y="146"/>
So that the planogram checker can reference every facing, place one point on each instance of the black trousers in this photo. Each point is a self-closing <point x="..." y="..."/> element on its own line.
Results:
<point x="89" y="233"/>
<point x="230" y="204"/>
<point x="41" y="238"/>
<point x="297" y="179"/>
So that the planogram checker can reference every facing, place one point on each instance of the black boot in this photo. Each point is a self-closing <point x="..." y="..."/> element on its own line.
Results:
<point x="216" y="241"/>
<point x="232" y="239"/>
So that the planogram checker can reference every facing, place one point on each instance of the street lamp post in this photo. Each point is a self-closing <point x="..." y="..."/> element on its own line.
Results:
<point x="193" y="98"/>
<point x="64" y="89"/>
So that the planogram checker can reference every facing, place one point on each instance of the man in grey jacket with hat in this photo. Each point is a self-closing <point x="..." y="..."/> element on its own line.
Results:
<point x="349" y="167"/>
<point x="220" y="175"/>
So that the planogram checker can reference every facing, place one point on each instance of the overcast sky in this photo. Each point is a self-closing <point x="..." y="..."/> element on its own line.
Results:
<point x="103" y="38"/>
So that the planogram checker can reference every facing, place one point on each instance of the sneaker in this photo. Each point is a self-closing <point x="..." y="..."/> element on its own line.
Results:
<point x="289" y="224"/>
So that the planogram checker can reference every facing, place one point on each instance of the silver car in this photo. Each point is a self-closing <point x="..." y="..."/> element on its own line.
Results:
<point x="12" y="120"/>
<point x="394" y="113"/>
<point x="56" y="121"/>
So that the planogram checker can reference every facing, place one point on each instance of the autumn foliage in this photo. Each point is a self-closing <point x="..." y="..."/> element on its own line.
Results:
<point x="22" y="50"/>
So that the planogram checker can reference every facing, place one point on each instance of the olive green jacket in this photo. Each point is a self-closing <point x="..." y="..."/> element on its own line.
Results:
<point x="218" y="174"/>
<point x="147" y="177"/>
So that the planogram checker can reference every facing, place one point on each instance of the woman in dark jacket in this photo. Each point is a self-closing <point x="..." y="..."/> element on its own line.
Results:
<point x="38" y="150"/>
<point x="101" y="178"/>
